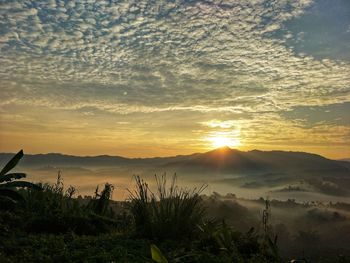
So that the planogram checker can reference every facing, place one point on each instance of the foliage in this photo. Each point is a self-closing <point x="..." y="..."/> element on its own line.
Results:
<point x="47" y="248"/>
<point x="99" y="204"/>
<point x="157" y="255"/>
<point x="53" y="225"/>
<point x="219" y="238"/>
<point x="8" y="183"/>
<point x="55" y="210"/>
<point x="53" y="200"/>
<point x="172" y="212"/>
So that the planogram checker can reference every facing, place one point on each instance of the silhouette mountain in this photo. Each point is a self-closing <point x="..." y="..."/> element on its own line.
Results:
<point x="220" y="161"/>
<point x="251" y="169"/>
<point x="256" y="162"/>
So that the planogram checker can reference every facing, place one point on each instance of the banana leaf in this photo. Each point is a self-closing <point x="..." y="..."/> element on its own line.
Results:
<point x="20" y="184"/>
<point x="12" y="163"/>
<point x="11" y="176"/>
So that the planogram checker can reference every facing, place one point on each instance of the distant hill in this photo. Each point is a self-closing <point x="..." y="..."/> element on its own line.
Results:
<point x="221" y="160"/>
<point x="251" y="169"/>
<point x="226" y="160"/>
<point x="58" y="159"/>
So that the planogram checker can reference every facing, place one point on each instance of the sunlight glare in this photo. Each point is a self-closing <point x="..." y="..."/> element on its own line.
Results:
<point x="221" y="141"/>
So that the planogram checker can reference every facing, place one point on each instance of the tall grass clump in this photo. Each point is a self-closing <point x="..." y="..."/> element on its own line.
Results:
<point x="169" y="213"/>
<point x="53" y="199"/>
<point x="55" y="210"/>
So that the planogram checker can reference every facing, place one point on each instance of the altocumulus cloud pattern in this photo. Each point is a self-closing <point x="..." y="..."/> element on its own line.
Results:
<point x="152" y="56"/>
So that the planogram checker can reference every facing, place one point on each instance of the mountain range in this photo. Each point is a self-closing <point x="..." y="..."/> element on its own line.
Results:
<point x="251" y="169"/>
<point x="221" y="160"/>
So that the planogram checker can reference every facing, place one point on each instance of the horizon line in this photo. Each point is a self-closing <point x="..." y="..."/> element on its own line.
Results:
<point x="169" y="156"/>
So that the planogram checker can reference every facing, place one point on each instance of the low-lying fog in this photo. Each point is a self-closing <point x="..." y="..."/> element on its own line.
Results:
<point x="86" y="180"/>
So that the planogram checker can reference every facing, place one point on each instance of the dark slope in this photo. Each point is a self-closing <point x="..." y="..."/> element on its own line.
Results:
<point x="222" y="160"/>
<point x="226" y="160"/>
<point x="252" y="169"/>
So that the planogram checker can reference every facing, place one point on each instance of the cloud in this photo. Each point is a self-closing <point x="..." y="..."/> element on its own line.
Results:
<point x="335" y="114"/>
<point x="219" y="124"/>
<point x="142" y="57"/>
<point x="178" y="54"/>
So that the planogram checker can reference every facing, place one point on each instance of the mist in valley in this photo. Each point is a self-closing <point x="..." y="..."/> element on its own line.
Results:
<point x="308" y="221"/>
<point x="307" y="224"/>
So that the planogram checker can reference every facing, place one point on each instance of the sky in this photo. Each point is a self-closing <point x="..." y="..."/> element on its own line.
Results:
<point x="159" y="78"/>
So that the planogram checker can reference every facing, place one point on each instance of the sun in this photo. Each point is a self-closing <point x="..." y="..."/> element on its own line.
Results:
<point x="221" y="141"/>
<point x="223" y="137"/>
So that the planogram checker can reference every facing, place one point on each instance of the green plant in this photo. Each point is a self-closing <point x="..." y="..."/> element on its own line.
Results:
<point x="55" y="210"/>
<point x="100" y="202"/>
<point x="52" y="200"/>
<point x="157" y="255"/>
<point x="9" y="183"/>
<point x="237" y="244"/>
<point x="219" y="238"/>
<point x="269" y="242"/>
<point x="172" y="212"/>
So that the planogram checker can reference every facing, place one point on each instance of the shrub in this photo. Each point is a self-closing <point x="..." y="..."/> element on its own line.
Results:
<point x="170" y="213"/>
<point x="53" y="200"/>
<point x="99" y="204"/>
<point x="55" y="210"/>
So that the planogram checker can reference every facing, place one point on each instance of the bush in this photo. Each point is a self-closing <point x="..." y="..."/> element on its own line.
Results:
<point x="54" y="210"/>
<point x="100" y="202"/>
<point x="171" y="213"/>
<point x="53" y="200"/>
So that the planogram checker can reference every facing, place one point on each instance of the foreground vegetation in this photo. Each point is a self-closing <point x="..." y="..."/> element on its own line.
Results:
<point x="49" y="224"/>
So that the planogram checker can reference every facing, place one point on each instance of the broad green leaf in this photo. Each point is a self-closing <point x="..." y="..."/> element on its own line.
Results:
<point x="157" y="255"/>
<point x="12" y="163"/>
<point x="11" y="176"/>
